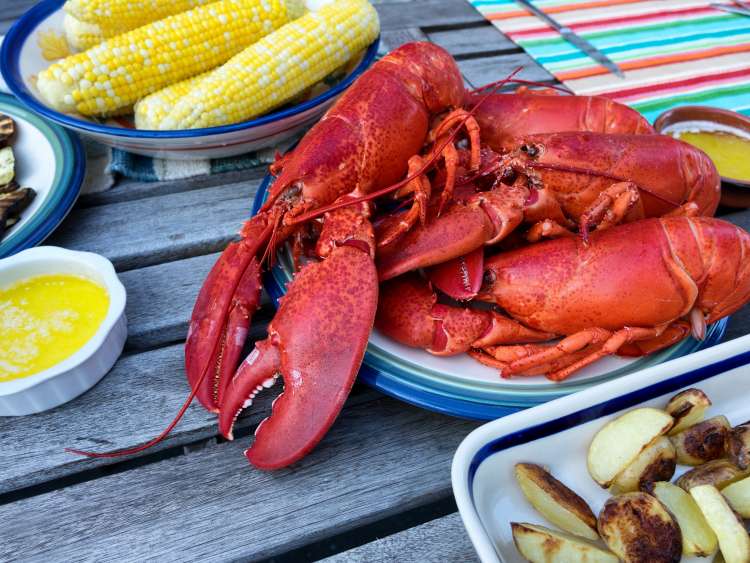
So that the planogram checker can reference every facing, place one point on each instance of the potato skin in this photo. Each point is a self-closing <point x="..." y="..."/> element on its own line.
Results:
<point x="656" y="463"/>
<point x="637" y="528"/>
<point x="543" y="545"/>
<point x="687" y="408"/>
<point x="702" y="442"/>
<point x="738" y="445"/>
<point x="562" y="496"/>
<point x="719" y="472"/>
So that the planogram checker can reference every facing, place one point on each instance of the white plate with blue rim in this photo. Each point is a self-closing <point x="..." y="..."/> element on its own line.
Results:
<point x="50" y="160"/>
<point x="557" y="435"/>
<point x="460" y="386"/>
<point x="21" y="59"/>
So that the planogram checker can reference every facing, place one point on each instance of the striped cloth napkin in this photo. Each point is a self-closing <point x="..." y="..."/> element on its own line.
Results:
<point x="673" y="52"/>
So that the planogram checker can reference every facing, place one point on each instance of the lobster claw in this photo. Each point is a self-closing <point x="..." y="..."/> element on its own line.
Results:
<point x="222" y="314"/>
<point x="316" y="342"/>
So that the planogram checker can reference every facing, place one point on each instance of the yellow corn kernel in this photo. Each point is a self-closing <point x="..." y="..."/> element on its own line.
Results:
<point x="151" y="110"/>
<point x="113" y="17"/>
<point x="277" y="68"/>
<point x="116" y="73"/>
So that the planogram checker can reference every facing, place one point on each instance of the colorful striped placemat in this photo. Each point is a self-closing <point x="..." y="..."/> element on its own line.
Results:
<point x="673" y="52"/>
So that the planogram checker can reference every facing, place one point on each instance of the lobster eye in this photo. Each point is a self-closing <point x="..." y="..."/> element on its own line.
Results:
<point x="488" y="279"/>
<point x="531" y="150"/>
<point x="508" y="176"/>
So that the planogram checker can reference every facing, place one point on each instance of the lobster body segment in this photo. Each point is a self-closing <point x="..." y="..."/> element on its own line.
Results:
<point x="503" y="118"/>
<point x="577" y="167"/>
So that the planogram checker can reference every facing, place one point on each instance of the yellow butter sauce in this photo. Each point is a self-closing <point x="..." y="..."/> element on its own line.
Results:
<point x="730" y="153"/>
<point x="46" y="319"/>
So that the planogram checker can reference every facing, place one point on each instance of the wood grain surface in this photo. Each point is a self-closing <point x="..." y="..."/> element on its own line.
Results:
<point x="195" y="497"/>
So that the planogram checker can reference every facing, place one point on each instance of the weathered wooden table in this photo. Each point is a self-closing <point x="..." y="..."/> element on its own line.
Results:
<point x="377" y="488"/>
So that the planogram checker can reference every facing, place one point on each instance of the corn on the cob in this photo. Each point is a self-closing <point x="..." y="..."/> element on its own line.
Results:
<point x="110" y="77"/>
<point x="113" y="17"/>
<point x="151" y="110"/>
<point x="278" y="67"/>
<point x="82" y="35"/>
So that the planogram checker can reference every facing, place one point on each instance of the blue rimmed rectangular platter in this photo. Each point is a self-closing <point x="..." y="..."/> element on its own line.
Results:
<point x="557" y="435"/>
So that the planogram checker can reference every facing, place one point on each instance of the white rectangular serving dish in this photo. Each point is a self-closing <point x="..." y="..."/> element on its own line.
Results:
<point x="557" y="435"/>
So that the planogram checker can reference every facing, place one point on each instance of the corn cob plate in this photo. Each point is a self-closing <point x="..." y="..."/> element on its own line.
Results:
<point x="460" y="386"/>
<point x="21" y="60"/>
<point x="51" y="161"/>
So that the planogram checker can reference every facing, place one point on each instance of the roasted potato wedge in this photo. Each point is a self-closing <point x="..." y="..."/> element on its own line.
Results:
<point x="542" y="545"/>
<point x="637" y="528"/>
<point x="738" y="445"/>
<point x="734" y="541"/>
<point x="697" y="536"/>
<point x="719" y="472"/>
<point x="687" y="408"/>
<point x="738" y="495"/>
<point x="702" y="442"/>
<point x="620" y="441"/>
<point x="656" y="463"/>
<point x="556" y="502"/>
<point x="7" y="165"/>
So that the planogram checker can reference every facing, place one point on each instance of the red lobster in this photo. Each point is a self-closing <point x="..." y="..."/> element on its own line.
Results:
<point x="502" y="118"/>
<point x="317" y="338"/>
<point x="596" y="295"/>
<point x="557" y="183"/>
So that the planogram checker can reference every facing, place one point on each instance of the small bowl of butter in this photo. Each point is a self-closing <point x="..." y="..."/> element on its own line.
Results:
<point x="724" y="136"/>
<point x="62" y="326"/>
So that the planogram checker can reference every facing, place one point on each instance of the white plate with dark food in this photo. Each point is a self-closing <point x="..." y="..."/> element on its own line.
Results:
<point x="658" y="438"/>
<point x="41" y="171"/>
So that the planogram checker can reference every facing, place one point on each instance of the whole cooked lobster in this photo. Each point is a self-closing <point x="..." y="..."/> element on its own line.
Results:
<point x="407" y="130"/>
<point x="630" y="290"/>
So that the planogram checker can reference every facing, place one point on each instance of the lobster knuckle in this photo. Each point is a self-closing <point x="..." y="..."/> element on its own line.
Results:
<point x="456" y="329"/>
<point x="405" y="310"/>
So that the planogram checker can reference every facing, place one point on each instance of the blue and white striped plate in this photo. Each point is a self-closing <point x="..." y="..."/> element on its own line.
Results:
<point x="51" y="161"/>
<point x="459" y="385"/>
<point x="557" y="435"/>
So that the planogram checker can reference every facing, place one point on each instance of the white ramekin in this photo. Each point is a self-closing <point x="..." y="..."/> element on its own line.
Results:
<point x="81" y="371"/>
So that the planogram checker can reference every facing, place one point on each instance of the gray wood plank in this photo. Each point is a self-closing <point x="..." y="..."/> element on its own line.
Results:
<point x="149" y="231"/>
<point x="426" y="13"/>
<point x="440" y="540"/>
<point x="126" y="189"/>
<point x="473" y="41"/>
<point x="132" y="404"/>
<point x="378" y="460"/>
<point x="484" y="70"/>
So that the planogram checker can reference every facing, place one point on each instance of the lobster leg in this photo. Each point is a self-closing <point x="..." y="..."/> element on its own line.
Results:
<point x="611" y="207"/>
<point x="605" y="343"/>
<point x="499" y="357"/>
<point x="316" y="342"/>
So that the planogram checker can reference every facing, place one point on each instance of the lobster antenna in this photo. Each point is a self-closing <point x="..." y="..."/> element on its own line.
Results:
<point x="153" y="441"/>
<point x="598" y="174"/>
<point x="393" y="187"/>
<point x="524" y="82"/>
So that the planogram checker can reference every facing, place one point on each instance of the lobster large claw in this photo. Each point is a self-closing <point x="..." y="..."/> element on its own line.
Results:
<point x="316" y="342"/>
<point x="222" y="314"/>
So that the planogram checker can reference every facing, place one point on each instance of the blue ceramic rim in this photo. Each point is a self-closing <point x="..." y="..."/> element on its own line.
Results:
<point x="73" y="168"/>
<point x="441" y="400"/>
<point x="599" y="410"/>
<point x="21" y="31"/>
